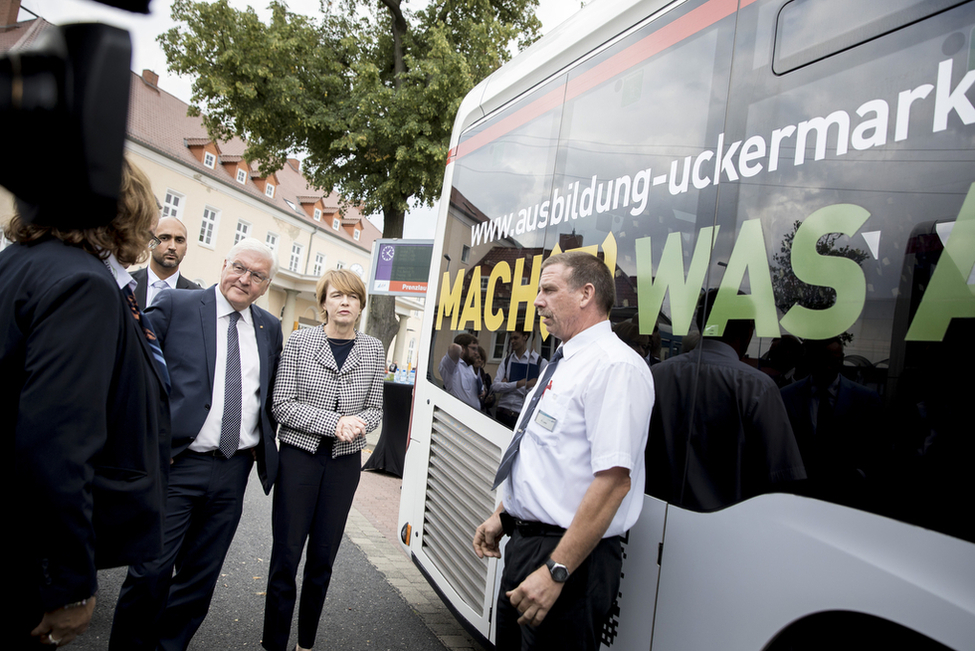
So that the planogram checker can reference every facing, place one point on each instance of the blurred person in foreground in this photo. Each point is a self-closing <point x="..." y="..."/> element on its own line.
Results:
<point x="86" y="406"/>
<point x="328" y="395"/>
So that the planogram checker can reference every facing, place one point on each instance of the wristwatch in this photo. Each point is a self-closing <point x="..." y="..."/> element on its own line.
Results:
<point x="559" y="572"/>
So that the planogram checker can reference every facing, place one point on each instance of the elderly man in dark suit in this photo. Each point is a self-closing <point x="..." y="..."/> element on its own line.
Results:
<point x="162" y="273"/>
<point x="223" y="352"/>
<point x="86" y="423"/>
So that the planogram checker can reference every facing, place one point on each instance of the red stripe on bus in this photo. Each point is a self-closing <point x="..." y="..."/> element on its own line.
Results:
<point x="667" y="36"/>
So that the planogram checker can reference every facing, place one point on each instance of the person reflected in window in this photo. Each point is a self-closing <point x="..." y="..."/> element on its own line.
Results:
<point x="457" y="370"/>
<point x="517" y="374"/>
<point x="719" y="433"/>
<point x="834" y="420"/>
<point x="784" y="355"/>
<point x="485" y="395"/>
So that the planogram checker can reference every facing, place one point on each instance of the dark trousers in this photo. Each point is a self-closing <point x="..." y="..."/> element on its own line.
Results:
<point x="312" y="498"/>
<point x="157" y="608"/>
<point x="576" y="620"/>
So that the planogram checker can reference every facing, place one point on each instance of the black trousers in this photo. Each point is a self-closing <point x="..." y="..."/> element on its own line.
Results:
<point x="576" y="620"/>
<point x="157" y="608"/>
<point x="312" y="498"/>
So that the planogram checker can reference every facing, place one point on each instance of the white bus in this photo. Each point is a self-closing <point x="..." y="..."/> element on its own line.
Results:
<point x="816" y="161"/>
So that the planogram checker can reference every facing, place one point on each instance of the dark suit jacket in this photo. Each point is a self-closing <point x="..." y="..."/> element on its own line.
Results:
<point x="142" y="287"/>
<point x="841" y="452"/>
<point x="86" y="425"/>
<point x="186" y="323"/>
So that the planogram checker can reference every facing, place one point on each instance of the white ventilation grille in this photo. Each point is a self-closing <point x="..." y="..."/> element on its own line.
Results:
<point x="458" y="499"/>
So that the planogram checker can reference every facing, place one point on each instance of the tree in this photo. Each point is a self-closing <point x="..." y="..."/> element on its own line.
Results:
<point x="369" y="91"/>
<point x="789" y="290"/>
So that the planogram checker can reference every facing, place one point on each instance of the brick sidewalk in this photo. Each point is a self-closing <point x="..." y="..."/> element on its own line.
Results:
<point x="372" y="527"/>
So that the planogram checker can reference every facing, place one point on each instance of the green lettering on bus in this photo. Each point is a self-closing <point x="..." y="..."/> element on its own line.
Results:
<point x="670" y="275"/>
<point x="948" y="295"/>
<point x="843" y="275"/>
<point x="748" y="255"/>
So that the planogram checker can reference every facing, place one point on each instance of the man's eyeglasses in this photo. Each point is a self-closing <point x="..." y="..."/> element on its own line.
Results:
<point x="239" y="270"/>
<point x="154" y="242"/>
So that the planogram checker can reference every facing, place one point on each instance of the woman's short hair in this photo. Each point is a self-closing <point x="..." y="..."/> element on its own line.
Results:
<point x="347" y="282"/>
<point x="127" y="235"/>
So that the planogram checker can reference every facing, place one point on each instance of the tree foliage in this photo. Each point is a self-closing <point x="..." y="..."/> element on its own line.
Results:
<point x="368" y="91"/>
<point x="789" y="290"/>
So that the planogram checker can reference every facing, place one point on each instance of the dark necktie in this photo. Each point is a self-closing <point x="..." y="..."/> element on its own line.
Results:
<point x="230" y="427"/>
<point x="509" y="455"/>
<point x="150" y="336"/>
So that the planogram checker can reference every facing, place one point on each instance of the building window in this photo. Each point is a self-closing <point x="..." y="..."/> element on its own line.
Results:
<point x="465" y="254"/>
<point x="340" y="265"/>
<point x="355" y="234"/>
<point x="295" y="262"/>
<point x="336" y="223"/>
<point x="173" y="206"/>
<point x="319" y="267"/>
<point x="241" y="176"/>
<point x="243" y="230"/>
<point x="272" y="242"/>
<point x="269" y="190"/>
<point x="209" y="159"/>
<point x="208" y="227"/>
<point x="318" y="215"/>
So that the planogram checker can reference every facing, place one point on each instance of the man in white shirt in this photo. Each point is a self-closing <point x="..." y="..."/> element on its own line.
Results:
<point x="222" y="352"/>
<point x="457" y="370"/>
<point x="163" y="271"/>
<point x="516" y="376"/>
<point x="572" y="478"/>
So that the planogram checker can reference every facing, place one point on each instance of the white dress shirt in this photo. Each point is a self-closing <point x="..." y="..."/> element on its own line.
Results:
<point x="250" y="375"/>
<point x="152" y="279"/>
<point x="594" y="416"/>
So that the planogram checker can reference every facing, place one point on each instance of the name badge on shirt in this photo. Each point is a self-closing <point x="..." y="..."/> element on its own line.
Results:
<point x="546" y="421"/>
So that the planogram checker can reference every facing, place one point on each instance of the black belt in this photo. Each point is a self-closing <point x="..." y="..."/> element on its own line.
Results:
<point x="218" y="454"/>
<point x="528" y="528"/>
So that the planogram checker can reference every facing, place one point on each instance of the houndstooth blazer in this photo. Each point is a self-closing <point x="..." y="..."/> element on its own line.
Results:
<point x="308" y="383"/>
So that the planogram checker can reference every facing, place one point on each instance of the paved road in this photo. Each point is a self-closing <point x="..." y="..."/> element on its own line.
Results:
<point x="363" y="609"/>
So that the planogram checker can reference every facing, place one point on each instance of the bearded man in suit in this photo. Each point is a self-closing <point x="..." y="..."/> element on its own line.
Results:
<point x="163" y="271"/>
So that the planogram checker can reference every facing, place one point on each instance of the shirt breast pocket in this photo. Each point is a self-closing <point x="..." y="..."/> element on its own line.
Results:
<point x="548" y="420"/>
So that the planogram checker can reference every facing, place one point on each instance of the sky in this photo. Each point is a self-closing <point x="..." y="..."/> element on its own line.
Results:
<point x="420" y="222"/>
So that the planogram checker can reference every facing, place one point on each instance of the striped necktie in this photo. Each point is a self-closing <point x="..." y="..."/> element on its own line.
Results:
<point x="230" y="426"/>
<point x="508" y="460"/>
<point x="150" y="336"/>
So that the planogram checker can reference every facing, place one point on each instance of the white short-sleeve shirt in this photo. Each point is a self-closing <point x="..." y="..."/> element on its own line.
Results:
<point x="594" y="415"/>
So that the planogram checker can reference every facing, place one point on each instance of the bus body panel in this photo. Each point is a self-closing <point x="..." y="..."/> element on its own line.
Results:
<point x="749" y="124"/>
<point x="723" y="575"/>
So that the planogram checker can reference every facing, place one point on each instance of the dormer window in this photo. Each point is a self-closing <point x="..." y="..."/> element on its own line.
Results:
<point x="318" y="215"/>
<point x="269" y="190"/>
<point x="209" y="160"/>
<point x="355" y="234"/>
<point x="336" y="224"/>
<point x="241" y="176"/>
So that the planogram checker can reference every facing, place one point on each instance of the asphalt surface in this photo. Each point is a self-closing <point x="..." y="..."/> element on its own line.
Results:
<point x="362" y="611"/>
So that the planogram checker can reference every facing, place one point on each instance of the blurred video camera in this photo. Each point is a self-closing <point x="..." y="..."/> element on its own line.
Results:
<point x="64" y="101"/>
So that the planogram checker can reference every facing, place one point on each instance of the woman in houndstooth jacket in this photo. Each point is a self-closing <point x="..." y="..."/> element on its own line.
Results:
<point x="328" y="393"/>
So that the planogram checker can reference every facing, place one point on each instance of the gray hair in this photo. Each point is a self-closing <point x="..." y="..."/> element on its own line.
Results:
<point x="255" y="246"/>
